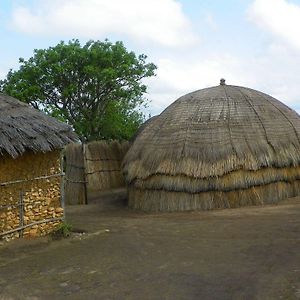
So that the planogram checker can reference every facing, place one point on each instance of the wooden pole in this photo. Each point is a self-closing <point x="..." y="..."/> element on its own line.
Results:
<point x="84" y="171"/>
<point x="21" y="213"/>
<point x="62" y="184"/>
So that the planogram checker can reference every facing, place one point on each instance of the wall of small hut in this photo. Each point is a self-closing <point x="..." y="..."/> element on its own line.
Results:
<point x="30" y="194"/>
<point x="94" y="167"/>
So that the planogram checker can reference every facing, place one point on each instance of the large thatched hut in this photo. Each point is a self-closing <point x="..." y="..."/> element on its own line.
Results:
<point x="30" y="173"/>
<point x="219" y="147"/>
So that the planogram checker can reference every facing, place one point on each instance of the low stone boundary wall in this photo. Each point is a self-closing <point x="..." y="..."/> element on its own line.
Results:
<point x="30" y="198"/>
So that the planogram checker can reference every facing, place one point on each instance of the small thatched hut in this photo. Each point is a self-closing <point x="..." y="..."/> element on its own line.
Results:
<point x="30" y="175"/>
<point x="219" y="147"/>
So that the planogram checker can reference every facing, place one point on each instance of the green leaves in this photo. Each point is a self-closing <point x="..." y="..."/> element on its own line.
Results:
<point x="96" y="87"/>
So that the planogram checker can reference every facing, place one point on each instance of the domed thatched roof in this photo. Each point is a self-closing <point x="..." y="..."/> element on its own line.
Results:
<point x="25" y="128"/>
<point x="210" y="133"/>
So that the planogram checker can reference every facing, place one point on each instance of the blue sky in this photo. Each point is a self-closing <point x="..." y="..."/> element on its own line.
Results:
<point x="253" y="43"/>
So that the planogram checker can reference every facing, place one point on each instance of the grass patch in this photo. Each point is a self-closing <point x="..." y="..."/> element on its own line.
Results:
<point x="62" y="231"/>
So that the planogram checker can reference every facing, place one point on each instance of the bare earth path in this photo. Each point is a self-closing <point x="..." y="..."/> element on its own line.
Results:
<point x="248" y="253"/>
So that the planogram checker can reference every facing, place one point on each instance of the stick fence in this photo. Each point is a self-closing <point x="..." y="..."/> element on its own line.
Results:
<point x="21" y="205"/>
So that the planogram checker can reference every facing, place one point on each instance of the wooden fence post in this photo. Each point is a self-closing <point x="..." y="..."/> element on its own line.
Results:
<point x="85" y="171"/>
<point x="21" y="213"/>
<point x="62" y="184"/>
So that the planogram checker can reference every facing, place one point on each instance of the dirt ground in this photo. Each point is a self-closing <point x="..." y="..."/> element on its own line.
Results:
<point x="247" y="253"/>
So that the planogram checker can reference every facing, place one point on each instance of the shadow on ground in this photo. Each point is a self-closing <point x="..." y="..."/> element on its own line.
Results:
<point x="116" y="253"/>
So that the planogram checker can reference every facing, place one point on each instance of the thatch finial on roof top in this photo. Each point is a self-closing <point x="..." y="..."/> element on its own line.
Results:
<point x="222" y="81"/>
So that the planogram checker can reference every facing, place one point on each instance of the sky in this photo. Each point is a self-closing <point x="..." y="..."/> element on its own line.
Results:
<point x="252" y="43"/>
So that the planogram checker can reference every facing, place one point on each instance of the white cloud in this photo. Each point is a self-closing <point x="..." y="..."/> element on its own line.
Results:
<point x="179" y="76"/>
<point x="2" y="74"/>
<point x="280" y="17"/>
<point x="274" y="71"/>
<point x="156" y="21"/>
<point x="7" y="64"/>
<point x="273" y="68"/>
<point x="210" y="20"/>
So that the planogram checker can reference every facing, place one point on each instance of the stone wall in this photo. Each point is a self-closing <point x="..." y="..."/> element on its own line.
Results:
<point x="34" y="179"/>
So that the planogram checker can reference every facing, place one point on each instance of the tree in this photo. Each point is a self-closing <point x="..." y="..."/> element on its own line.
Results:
<point x="97" y="87"/>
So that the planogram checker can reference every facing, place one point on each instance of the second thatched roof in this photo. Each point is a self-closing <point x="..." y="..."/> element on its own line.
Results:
<point x="214" y="131"/>
<point x="24" y="128"/>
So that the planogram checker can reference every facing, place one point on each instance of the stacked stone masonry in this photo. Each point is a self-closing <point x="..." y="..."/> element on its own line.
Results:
<point x="41" y="197"/>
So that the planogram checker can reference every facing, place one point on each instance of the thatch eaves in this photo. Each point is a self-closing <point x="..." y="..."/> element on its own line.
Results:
<point x="24" y="128"/>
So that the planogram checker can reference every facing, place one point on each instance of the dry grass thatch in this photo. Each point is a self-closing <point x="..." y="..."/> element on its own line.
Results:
<point x="25" y="128"/>
<point x="218" y="145"/>
<point x="75" y="179"/>
<point x="95" y="166"/>
<point x="161" y="200"/>
<point x="103" y="164"/>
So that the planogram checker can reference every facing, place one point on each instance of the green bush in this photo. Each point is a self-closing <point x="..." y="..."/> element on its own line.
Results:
<point x="63" y="230"/>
